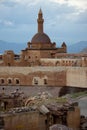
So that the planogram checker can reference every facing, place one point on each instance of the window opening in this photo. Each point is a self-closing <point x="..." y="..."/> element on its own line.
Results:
<point x="2" y="81"/>
<point x="9" y="64"/>
<point x="17" y="81"/>
<point x="29" y="57"/>
<point x="45" y="81"/>
<point x="9" y="81"/>
<point x="35" y="81"/>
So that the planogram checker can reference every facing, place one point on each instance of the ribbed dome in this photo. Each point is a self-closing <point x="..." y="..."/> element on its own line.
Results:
<point x="40" y="38"/>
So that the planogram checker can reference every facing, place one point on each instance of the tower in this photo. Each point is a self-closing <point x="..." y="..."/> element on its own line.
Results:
<point x="40" y="21"/>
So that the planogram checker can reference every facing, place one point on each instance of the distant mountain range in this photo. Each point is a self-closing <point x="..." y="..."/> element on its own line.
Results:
<point x="77" y="47"/>
<point x="84" y="50"/>
<point x="17" y="47"/>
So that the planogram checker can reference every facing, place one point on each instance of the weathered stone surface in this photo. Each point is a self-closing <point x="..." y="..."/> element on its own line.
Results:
<point x="44" y="76"/>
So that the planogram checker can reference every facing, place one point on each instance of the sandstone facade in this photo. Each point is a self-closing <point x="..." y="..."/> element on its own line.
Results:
<point x="43" y="76"/>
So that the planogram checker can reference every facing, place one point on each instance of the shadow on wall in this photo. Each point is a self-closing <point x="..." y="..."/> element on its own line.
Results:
<point x="70" y="90"/>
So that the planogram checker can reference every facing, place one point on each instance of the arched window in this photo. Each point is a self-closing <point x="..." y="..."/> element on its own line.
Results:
<point x="45" y="81"/>
<point x="9" y="81"/>
<point x="2" y="81"/>
<point x="17" y="81"/>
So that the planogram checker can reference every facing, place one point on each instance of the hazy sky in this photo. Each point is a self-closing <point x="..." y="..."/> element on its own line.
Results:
<point x="64" y="20"/>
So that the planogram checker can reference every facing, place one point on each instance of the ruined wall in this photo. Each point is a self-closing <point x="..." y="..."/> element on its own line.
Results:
<point x="22" y="121"/>
<point x="34" y="120"/>
<point x="73" y="118"/>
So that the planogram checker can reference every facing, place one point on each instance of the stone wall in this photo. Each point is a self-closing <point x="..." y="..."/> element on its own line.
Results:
<point x="22" y="121"/>
<point x="73" y="118"/>
<point x="48" y="76"/>
<point x="77" y="77"/>
<point x="33" y="120"/>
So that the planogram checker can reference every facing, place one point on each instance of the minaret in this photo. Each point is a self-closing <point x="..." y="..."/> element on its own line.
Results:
<point x="40" y="21"/>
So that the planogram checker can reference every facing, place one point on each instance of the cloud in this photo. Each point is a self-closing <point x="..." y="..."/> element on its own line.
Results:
<point x="6" y="23"/>
<point x="8" y="3"/>
<point x="59" y="14"/>
<point x="20" y="17"/>
<point x="67" y="11"/>
<point x="11" y="3"/>
<point x="82" y="18"/>
<point x="81" y="4"/>
<point x="23" y="12"/>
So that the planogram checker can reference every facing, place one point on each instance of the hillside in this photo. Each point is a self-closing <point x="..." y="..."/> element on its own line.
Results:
<point x="77" y="47"/>
<point x="84" y="50"/>
<point x="16" y="47"/>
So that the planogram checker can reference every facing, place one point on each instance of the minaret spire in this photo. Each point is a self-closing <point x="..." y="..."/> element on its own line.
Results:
<point x="40" y="21"/>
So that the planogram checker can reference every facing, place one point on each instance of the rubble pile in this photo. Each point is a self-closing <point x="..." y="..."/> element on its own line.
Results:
<point x="40" y="98"/>
<point x="46" y="102"/>
<point x="21" y="109"/>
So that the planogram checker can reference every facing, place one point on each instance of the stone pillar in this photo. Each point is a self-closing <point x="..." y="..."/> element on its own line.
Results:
<point x="73" y="118"/>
